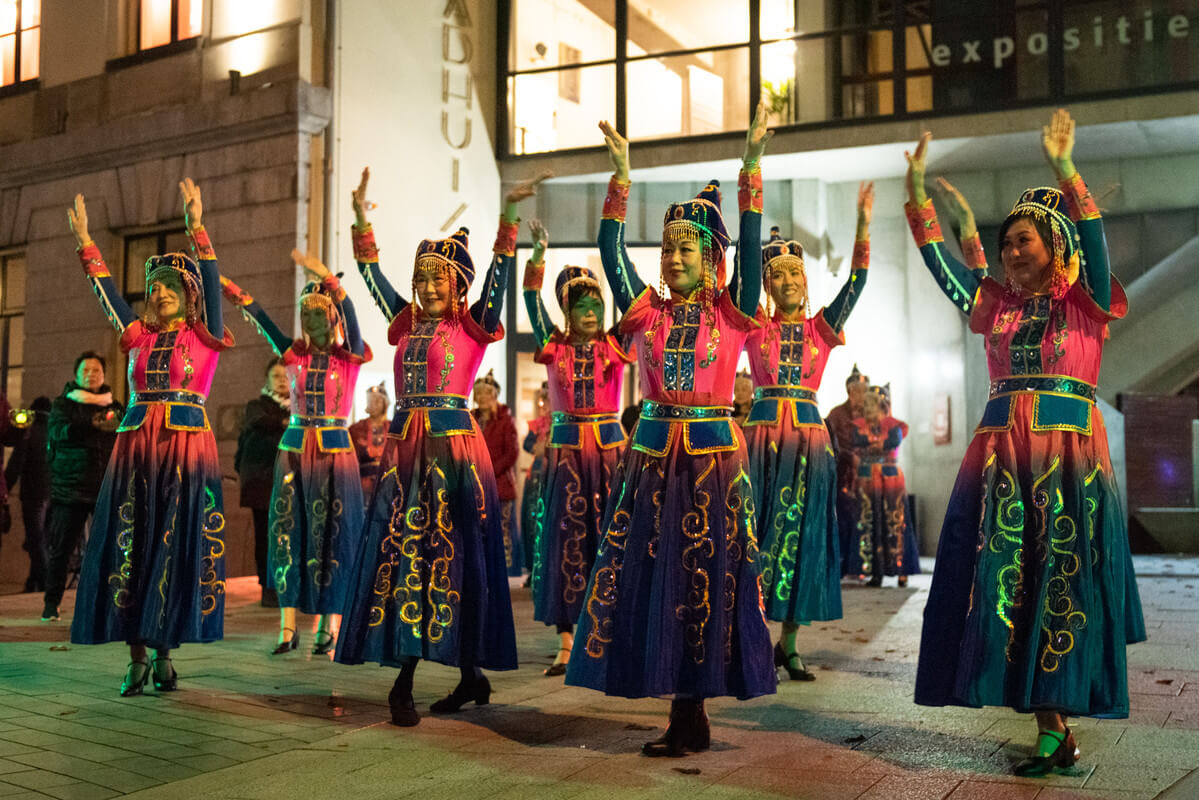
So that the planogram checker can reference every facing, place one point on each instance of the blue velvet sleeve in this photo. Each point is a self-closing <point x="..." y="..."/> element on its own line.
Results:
<point x="837" y="312"/>
<point x="353" y="332"/>
<point x="622" y="275"/>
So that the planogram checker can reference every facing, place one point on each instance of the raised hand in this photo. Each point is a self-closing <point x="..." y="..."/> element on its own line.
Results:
<point x="758" y="135"/>
<point x="958" y="206"/>
<point x="526" y="189"/>
<point x="865" y="201"/>
<point x="618" y="150"/>
<point x="193" y="208"/>
<point x="358" y="199"/>
<point x="77" y="220"/>
<point x="314" y="270"/>
<point x="541" y="239"/>
<point x="1057" y="142"/>
<point x="915" y="179"/>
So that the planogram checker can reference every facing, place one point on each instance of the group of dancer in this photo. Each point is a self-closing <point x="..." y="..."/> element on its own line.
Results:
<point x="661" y="555"/>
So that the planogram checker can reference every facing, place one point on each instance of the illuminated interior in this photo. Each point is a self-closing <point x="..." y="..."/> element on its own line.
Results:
<point x="20" y="40"/>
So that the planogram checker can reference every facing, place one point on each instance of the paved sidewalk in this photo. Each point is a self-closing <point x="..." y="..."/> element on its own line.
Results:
<point x="248" y="726"/>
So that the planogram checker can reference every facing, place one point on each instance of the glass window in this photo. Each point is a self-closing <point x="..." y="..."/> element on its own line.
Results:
<point x="1154" y="45"/>
<point x="14" y="283"/>
<point x="20" y="40"/>
<point x="12" y="325"/>
<point x="688" y="95"/>
<point x="161" y="22"/>
<point x="558" y="109"/>
<point x="550" y="33"/>
<point x="662" y="26"/>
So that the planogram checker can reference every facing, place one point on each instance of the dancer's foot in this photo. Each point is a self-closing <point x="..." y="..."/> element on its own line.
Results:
<point x="559" y="665"/>
<point x="1055" y="750"/>
<point x="135" y="678"/>
<point x="688" y="730"/>
<point x="165" y="677"/>
<point x="478" y="690"/>
<point x="323" y="643"/>
<point x="286" y="645"/>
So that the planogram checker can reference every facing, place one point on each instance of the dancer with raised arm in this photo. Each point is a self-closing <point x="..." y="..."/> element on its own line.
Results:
<point x="1033" y="598"/>
<point x="792" y="466"/>
<point x="316" y="513"/>
<point x="884" y="540"/>
<point x="586" y="371"/>
<point x="674" y="605"/>
<point x="430" y="581"/>
<point x="154" y="571"/>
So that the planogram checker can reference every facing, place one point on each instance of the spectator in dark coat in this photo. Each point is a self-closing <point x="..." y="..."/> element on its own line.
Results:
<point x="257" y="447"/>
<point x="28" y="471"/>
<point x="80" y="436"/>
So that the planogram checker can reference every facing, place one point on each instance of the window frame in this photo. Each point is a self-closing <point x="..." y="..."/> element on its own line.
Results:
<point x="136" y="54"/>
<point x="7" y="315"/>
<point x="18" y="83"/>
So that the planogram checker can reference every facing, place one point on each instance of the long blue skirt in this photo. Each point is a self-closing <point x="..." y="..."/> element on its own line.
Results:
<point x="315" y="524"/>
<point x="154" y="569"/>
<point x="674" y="604"/>
<point x="430" y="581"/>
<point x="794" y="475"/>
<point x="1033" y="598"/>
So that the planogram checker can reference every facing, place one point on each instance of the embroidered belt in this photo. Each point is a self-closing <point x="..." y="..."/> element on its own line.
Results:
<point x="566" y="418"/>
<point x="168" y="396"/>
<point x="408" y="401"/>
<point x="302" y="421"/>
<point x="784" y="393"/>
<point x="1043" y="384"/>
<point x="651" y="409"/>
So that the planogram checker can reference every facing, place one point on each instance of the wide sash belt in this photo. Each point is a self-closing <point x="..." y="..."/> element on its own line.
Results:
<point x="784" y="393"/>
<point x="568" y="430"/>
<point x="1043" y="384"/>
<point x="410" y="401"/>
<point x="651" y="409"/>
<point x="168" y="396"/>
<point x="302" y="421"/>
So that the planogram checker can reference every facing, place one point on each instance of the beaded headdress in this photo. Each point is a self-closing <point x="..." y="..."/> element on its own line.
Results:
<point x="316" y="295"/>
<point x="573" y="276"/>
<point x="699" y="220"/>
<point x="779" y="253"/>
<point x="1047" y="205"/>
<point x="449" y="256"/>
<point x="183" y="268"/>
<point x="380" y="390"/>
<point x="490" y="380"/>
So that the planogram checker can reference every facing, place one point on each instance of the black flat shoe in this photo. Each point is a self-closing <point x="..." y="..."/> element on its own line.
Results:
<point x="288" y="646"/>
<point x="1063" y="756"/>
<point x="324" y="648"/>
<point x="479" y="691"/>
<point x="135" y="678"/>
<point x="688" y="731"/>
<point x="557" y="668"/>
<point x="783" y="659"/>
<point x="168" y="684"/>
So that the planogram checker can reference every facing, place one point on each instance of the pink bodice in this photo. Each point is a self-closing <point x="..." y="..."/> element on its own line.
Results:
<point x="183" y="359"/>
<point x="438" y="356"/>
<point x="687" y="357"/>
<point x="584" y="379"/>
<point x="322" y="381"/>
<point x="791" y="354"/>
<point x="1044" y="335"/>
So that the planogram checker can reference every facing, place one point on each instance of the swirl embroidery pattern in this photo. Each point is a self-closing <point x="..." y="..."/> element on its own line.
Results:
<point x="119" y="580"/>
<point x="211" y="588"/>
<point x="602" y="598"/>
<point x="284" y="521"/>
<point x="574" y="533"/>
<point x="1060" y="616"/>
<point x="698" y="548"/>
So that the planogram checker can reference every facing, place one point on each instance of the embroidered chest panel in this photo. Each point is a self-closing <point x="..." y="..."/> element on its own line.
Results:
<point x="584" y="375"/>
<point x="791" y="353"/>
<point x="158" y="364"/>
<point x="678" y="357"/>
<point x="416" y="356"/>
<point x="315" y="378"/>
<point x="1026" y="327"/>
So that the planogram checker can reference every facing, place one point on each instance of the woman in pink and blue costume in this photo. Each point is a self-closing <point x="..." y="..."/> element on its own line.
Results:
<point x="884" y="538"/>
<point x="1033" y="598"/>
<point x="586" y="366"/>
<point x="674" y="605"/>
<point x="154" y="571"/>
<point x="431" y="581"/>
<point x="316" y="504"/>
<point x="792" y="466"/>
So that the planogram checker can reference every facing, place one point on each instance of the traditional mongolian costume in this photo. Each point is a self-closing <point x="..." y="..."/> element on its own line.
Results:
<point x="430" y="582"/>
<point x="154" y="570"/>
<point x="369" y="437"/>
<point x="316" y="507"/>
<point x="674" y="605"/>
<point x="792" y="466"/>
<point x="585" y="444"/>
<point x="499" y="434"/>
<point x="1033" y="597"/>
<point x="530" y="494"/>
<point x="840" y="424"/>
<point x="884" y="538"/>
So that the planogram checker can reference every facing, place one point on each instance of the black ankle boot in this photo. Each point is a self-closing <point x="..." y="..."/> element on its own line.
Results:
<point x="403" y="708"/>
<point x="478" y="689"/>
<point x="688" y="731"/>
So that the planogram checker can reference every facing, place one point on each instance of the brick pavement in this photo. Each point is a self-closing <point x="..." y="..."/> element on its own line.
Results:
<point x="248" y="726"/>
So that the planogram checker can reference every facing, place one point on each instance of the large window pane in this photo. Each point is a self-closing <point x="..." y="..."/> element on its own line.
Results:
<point x="8" y="16"/>
<point x="659" y="27"/>
<point x="688" y="95"/>
<point x="559" y="109"/>
<point x="14" y="284"/>
<point x="1107" y="56"/>
<point x="30" y="53"/>
<point x="549" y="33"/>
<point x="8" y="59"/>
<point x="155" y="24"/>
<point x="189" y="18"/>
